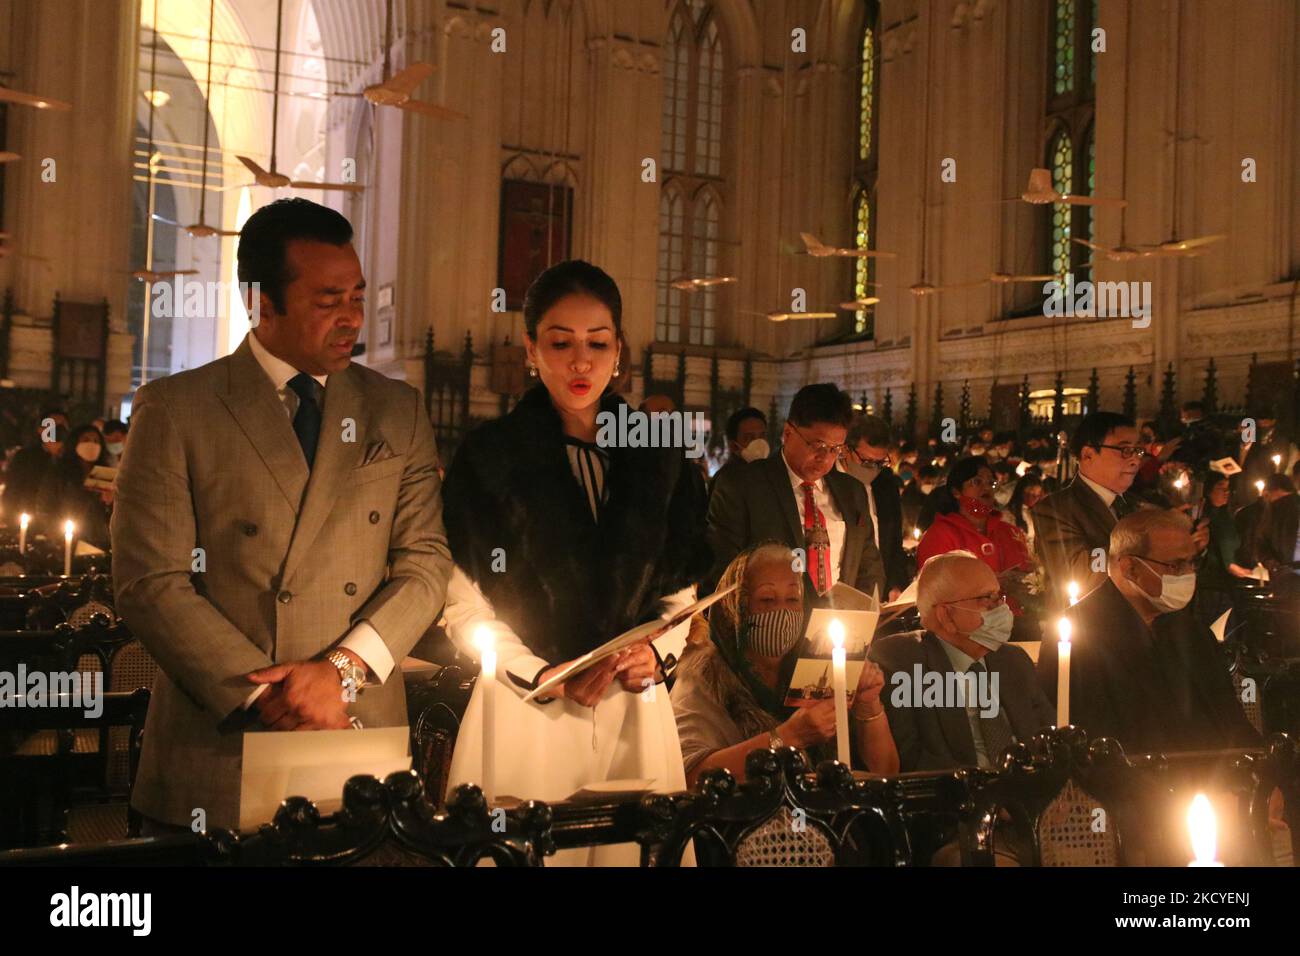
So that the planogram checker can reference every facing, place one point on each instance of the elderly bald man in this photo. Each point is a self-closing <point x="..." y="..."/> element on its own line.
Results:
<point x="956" y="693"/>
<point x="1143" y="669"/>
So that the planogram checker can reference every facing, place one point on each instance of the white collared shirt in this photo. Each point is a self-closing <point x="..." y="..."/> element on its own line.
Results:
<point x="835" y="528"/>
<point x="280" y="372"/>
<point x="961" y="663"/>
<point x="1105" y="494"/>
<point x="363" y="640"/>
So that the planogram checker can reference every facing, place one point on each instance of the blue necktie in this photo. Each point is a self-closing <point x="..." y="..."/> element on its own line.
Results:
<point x="306" y="422"/>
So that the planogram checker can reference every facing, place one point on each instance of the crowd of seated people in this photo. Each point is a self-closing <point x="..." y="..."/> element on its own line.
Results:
<point x="45" y="476"/>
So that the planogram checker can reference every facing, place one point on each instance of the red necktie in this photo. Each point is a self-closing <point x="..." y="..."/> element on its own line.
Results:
<point x="816" y="540"/>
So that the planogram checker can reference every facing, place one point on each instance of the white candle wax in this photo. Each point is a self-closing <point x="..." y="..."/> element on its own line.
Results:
<point x="68" y="530"/>
<point x="1063" y="673"/>
<point x="488" y="679"/>
<point x="23" y="521"/>
<point x="839" y="681"/>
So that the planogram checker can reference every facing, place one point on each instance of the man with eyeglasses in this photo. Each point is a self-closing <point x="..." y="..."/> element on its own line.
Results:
<point x="1072" y="526"/>
<point x="967" y="624"/>
<point x="1143" y="669"/>
<point x="867" y="459"/>
<point x="797" y="498"/>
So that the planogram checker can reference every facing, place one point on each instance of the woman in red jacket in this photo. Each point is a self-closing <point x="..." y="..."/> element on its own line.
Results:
<point x="968" y="519"/>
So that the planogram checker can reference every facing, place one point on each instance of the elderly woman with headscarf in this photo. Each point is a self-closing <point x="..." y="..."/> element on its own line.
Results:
<point x="729" y="692"/>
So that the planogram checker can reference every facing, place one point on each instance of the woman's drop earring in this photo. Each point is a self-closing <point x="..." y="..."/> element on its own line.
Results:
<point x="532" y="371"/>
<point x="617" y="368"/>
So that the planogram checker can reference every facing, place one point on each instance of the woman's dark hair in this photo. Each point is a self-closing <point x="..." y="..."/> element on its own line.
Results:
<point x="571" y="277"/>
<point x="963" y="470"/>
<point x="264" y="241"/>
<point x="75" y="436"/>
<point x="1017" y="503"/>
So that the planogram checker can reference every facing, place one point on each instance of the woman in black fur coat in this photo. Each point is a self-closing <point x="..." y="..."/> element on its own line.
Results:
<point x="561" y="543"/>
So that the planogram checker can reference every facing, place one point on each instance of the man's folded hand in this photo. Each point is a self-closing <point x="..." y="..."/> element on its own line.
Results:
<point x="304" y="695"/>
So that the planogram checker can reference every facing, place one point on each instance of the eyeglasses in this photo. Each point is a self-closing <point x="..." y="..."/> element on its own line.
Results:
<point x="819" y="448"/>
<point x="1180" y="567"/>
<point x="987" y="602"/>
<point x="878" y="462"/>
<point x="1127" y="451"/>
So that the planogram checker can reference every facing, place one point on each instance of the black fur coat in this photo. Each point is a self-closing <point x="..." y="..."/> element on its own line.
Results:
<point x="569" y="583"/>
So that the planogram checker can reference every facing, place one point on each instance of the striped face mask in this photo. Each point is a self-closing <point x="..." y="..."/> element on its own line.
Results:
<point x="772" y="633"/>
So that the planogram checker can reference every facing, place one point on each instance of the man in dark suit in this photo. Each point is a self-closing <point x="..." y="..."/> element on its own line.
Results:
<point x="1143" y="670"/>
<point x="796" y="497"/>
<point x="1072" y="526"/>
<point x="746" y="440"/>
<point x="867" y="460"/>
<point x="966" y="625"/>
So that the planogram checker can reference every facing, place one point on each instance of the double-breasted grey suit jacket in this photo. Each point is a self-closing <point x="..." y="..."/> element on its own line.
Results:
<point x="230" y="555"/>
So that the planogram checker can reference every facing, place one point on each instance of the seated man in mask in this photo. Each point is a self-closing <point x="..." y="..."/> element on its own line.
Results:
<point x="1143" y="669"/>
<point x="956" y="693"/>
<point x="731" y="681"/>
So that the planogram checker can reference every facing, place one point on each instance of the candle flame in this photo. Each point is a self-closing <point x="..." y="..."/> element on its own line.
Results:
<point x="1203" y="828"/>
<point x="1064" y="629"/>
<point x="483" y="639"/>
<point x="916" y="533"/>
<point x="68" y="529"/>
<point x="1180" y="481"/>
<point x="836" y="631"/>
<point x="1259" y="486"/>
<point x="1073" y="590"/>
<point x="1277" y="460"/>
<point x="24" y="519"/>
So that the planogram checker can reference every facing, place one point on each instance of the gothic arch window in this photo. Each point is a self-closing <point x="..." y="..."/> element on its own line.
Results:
<point x="691" y="202"/>
<point x="864" y="194"/>
<point x="1070" y="141"/>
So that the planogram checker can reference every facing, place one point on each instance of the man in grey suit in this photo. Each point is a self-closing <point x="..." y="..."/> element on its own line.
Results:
<point x="796" y="497"/>
<point x="278" y="543"/>
<point x="967" y="624"/>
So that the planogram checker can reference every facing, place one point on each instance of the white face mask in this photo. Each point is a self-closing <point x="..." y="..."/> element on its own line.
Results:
<point x="755" y="450"/>
<point x="995" y="627"/>
<point x="88" y="451"/>
<point x="115" y="447"/>
<point x="864" y="473"/>
<point x="1176" y="591"/>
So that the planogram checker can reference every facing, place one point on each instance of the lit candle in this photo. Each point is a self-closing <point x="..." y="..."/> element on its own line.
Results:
<point x="488" y="679"/>
<point x="1259" y="486"/>
<point x="840" y="686"/>
<point x="23" y="521"/>
<point x="68" y="530"/>
<point x="1072" y="589"/>
<point x="916" y="533"/>
<point x="1063" y="673"/>
<point x="1277" y="462"/>
<point x="1202" y="826"/>
<point x="1180" y="481"/>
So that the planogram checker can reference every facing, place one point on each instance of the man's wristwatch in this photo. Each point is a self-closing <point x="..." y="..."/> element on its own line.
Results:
<point x="774" y="740"/>
<point x="348" y="670"/>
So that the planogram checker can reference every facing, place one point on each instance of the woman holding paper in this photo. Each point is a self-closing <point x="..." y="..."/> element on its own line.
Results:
<point x="566" y="532"/>
<point x="728" y="697"/>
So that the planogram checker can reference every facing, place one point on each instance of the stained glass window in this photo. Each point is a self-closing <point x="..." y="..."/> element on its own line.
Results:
<point x="865" y="171"/>
<point x="867" y="93"/>
<point x="1063" y="46"/>
<point x="691" y="157"/>
<point x="1062" y="159"/>
<point x="862" y="267"/>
